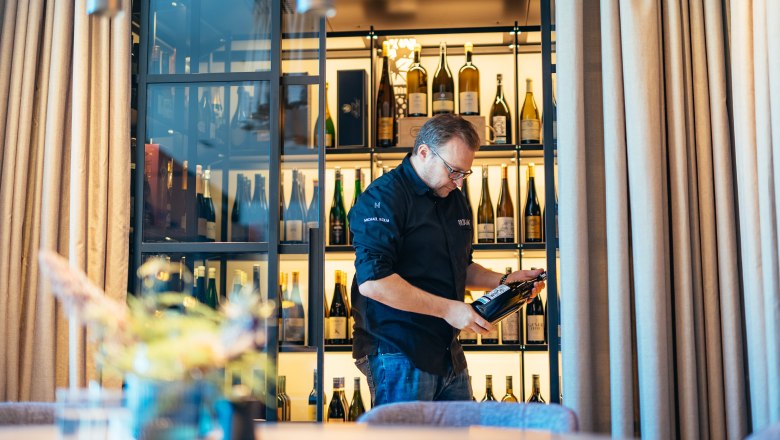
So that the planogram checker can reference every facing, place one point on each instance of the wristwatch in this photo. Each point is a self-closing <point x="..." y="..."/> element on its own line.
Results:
<point x="503" y="279"/>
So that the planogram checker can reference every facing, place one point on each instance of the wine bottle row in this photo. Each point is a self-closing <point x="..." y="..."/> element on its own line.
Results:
<point x="509" y="396"/>
<point x="337" y="410"/>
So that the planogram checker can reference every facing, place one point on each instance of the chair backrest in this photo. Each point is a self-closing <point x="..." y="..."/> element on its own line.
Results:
<point x="27" y="413"/>
<point x="553" y="418"/>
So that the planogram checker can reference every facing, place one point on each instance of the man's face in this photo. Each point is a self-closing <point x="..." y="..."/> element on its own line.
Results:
<point x="442" y="165"/>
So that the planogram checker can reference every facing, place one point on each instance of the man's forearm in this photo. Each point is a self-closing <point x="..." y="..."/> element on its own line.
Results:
<point x="478" y="278"/>
<point x="397" y="293"/>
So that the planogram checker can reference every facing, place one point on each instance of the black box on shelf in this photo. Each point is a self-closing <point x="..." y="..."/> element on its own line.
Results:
<point x="352" y="110"/>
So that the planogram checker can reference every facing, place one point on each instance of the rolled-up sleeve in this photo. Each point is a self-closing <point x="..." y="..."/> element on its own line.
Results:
<point x="375" y="222"/>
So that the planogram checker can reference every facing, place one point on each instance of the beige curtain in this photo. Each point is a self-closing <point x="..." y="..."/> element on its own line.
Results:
<point x="668" y="228"/>
<point x="64" y="180"/>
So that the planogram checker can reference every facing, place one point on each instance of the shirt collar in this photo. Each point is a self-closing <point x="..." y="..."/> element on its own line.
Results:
<point x="420" y="188"/>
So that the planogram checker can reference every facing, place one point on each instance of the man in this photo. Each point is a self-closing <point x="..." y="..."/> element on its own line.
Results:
<point x="412" y="236"/>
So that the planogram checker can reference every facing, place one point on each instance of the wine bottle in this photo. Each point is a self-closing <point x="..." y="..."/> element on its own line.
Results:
<point x="443" y="85"/>
<point x="330" y="129"/>
<point x="336" y="332"/>
<point x="212" y="297"/>
<point x="238" y="124"/>
<point x="489" y="389"/>
<point x="256" y="289"/>
<point x="509" y="397"/>
<point x="200" y="285"/>
<point x="208" y="207"/>
<point x="336" y="410"/>
<point x="199" y="205"/>
<point x="350" y="311"/>
<point x="532" y="214"/>
<point x="358" y="191"/>
<point x="294" y="217"/>
<point x="257" y="213"/>
<point x="311" y="408"/>
<point x="282" y="210"/>
<point x="536" y="390"/>
<point x="293" y="315"/>
<point x="485" y="224"/>
<point x="534" y="321"/>
<point x="283" y="402"/>
<point x="465" y="189"/>
<point x="245" y="206"/>
<point x="510" y="326"/>
<point x="338" y="215"/>
<point x="237" y="230"/>
<point x="164" y="191"/>
<point x="500" y="116"/>
<point x="468" y="336"/>
<point x="179" y="201"/>
<point x="468" y="85"/>
<point x="206" y="122"/>
<point x="505" y="299"/>
<point x="313" y="213"/>
<point x="505" y="212"/>
<point x="220" y="124"/>
<point x="385" y="104"/>
<point x="356" y="408"/>
<point x="529" y="117"/>
<point x="280" y="305"/>
<point x="417" y="86"/>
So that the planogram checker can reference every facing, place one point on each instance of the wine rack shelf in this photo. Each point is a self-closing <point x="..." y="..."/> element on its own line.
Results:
<point x="466" y="348"/>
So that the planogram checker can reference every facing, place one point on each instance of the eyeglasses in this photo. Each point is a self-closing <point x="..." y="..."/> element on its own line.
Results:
<point x="453" y="173"/>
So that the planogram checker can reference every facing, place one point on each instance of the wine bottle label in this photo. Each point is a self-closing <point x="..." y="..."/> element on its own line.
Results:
<point x="418" y="104"/>
<point x="293" y="230"/>
<point x="469" y="102"/>
<point x="328" y="140"/>
<point x="535" y="330"/>
<point x="337" y="233"/>
<point x="505" y="227"/>
<point x="499" y="126"/>
<point x="337" y="327"/>
<point x="385" y="129"/>
<point x="201" y="227"/>
<point x="294" y="329"/>
<point x="533" y="227"/>
<point x="510" y="328"/>
<point x="312" y="225"/>
<point x="485" y="231"/>
<point x="493" y="294"/>
<point x="443" y="103"/>
<point x="529" y="130"/>
<point x="555" y="130"/>
<point x="211" y="230"/>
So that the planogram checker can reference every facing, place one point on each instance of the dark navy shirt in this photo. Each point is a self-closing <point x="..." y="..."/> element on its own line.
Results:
<point x="401" y="227"/>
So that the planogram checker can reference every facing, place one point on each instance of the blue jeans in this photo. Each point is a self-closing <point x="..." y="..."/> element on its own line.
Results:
<point x="393" y="378"/>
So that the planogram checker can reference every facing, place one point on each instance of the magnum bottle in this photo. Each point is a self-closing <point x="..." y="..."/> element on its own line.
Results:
<point x="500" y="116"/>
<point x="485" y="222"/>
<point x="209" y="214"/>
<point x="293" y="315"/>
<point x="385" y="105"/>
<point x="510" y="326"/>
<point x="356" y="408"/>
<point x="468" y="336"/>
<point x="468" y="85"/>
<point x="532" y="214"/>
<point x="443" y="85"/>
<point x="295" y="216"/>
<point x="338" y="215"/>
<point x="505" y="299"/>
<point x="336" y="328"/>
<point x="336" y="410"/>
<point x="489" y="389"/>
<point x="509" y="397"/>
<point x="505" y="212"/>
<point x="529" y="117"/>
<point x="417" y="86"/>
<point x="536" y="390"/>
<point x="330" y="128"/>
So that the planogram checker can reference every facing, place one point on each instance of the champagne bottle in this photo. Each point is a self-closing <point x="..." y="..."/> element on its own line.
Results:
<point x="293" y="315"/>
<point x="468" y="85"/>
<point x="200" y="294"/>
<point x="505" y="212"/>
<point x="510" y="326"/>
<point x="358" y="191"/>
<point x="529" y="117"/>
<point x="468" y="336"/>
<point x="336" y="410"/>
<point x="294" y="217"/>
<point x="336" y="331"/>
<point x="532" y="214"/>
<point x="313" y="213"/>
<point x="534" y="321"/>
<point x="238" y="124"/>
<point x="212" y="297"/>
<point x="338" y="215"/>
<point x="485" y="224"/>
<point x="505" y="299"/>
<point x="245" y="206"/>
<point x="330" y="129"/>
<point x="257" y="217"/>
<point x="500" y="116"/>
<point x="356" y="408"/>
<point x="509" y="397"/>
<point x="311" y="408"/>
<point x="237" y="230"/>
<point x="385" y="105"/>
<point x="199" y="204"/>
<point x="465" y="189"/>
<point x="536" y="390"/>
<point x="443" y="85"/>
<point x="489" y="389"/>
<point x="208" y="207"/>
<point x="417" y="86"/>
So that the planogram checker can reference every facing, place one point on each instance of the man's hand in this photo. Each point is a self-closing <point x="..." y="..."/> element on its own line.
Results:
<point x="462" y="316"/>
<point x="522" y="275"/>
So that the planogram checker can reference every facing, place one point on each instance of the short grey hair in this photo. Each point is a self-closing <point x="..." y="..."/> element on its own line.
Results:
<point x="438" y="130"/>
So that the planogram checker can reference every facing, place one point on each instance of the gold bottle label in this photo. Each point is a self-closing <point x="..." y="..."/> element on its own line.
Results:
<point x="533" y="227"/>
<point x="385" y="129"/>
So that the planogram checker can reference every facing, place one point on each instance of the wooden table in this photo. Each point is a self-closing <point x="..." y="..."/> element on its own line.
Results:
<point x="314" y="431"/>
